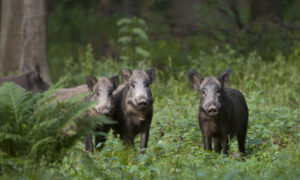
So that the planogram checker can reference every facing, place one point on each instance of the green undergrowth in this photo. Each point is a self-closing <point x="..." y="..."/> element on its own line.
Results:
<point x="36" y="132"/>
<point x="175" y="149"/>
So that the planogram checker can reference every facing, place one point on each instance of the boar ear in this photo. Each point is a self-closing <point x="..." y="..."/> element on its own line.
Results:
<point x="126" y="73"/>
<point x="38" y="72"/>
<point x="91" y="81"/>
<point x="195" y="78"/>
<point x="34" y="75"/>
<point x="24" y="68"/>
<point x="32" y="78"/>
<point x="37" y="69"/>
<point x="224" y="77"/>
<point x="115" y="81"/>
<point x="152" y="74"/>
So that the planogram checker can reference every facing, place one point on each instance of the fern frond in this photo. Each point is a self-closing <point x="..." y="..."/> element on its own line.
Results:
<point x="32" y="126"/>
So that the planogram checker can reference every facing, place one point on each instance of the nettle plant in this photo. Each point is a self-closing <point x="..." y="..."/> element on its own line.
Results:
<point x="133" y="37"/>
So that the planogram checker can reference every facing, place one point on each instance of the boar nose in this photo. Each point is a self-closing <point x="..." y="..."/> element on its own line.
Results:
<point x="212" y="110"/>
<point x="142" y="101"/>
<point x="104" y="111"/>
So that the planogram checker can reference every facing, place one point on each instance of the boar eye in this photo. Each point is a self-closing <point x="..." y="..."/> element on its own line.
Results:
<point x="218" y="90"/>
<point x="146" y="84"/>
<point x="98" y="93"/>
<point x="110" y="93"/>
<point x="203" y="93"/>
<point x="132" y="85"/>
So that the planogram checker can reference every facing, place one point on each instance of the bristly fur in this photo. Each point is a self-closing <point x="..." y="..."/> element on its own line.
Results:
<point x="224" y="77"/>
<point x="133" y="120"/>
<point x="30" y="80"/>
<point x="232" y="114"/>
<point x="102" y="91"/>
<point x="195" y="79"/>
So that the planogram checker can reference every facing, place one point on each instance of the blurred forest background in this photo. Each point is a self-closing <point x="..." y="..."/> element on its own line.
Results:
<point x="173" y="30"/>
<point x="177" y="29"/>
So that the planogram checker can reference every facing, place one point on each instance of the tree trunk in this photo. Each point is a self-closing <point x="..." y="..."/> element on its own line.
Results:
<point x="23" y="36"/>
<point x="127" y="8"/>
<point x="104" y="7"/>
<point x="0" y="15"/>
<point x="184" y="14"/>
<point x="132" y="8"/>
<point x="265" y="9"/>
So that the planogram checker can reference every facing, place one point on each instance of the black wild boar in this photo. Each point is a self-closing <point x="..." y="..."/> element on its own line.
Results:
<point x="29" y="80"/>
<point x="102" y="89"/>
<point x="135" y="106"/>
<point x="223" y="112"/>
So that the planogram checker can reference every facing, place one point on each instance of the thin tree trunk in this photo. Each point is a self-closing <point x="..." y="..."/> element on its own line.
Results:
<point x="127" y="8"/>
<point x="265" y="9"/>
<point x="184" y="14"/>
<point x="23" y="36"/>
<point x="0" y="16"/>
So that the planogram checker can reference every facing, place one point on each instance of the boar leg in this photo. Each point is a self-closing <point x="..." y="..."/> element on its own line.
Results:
<point x="207" y="142"/>
<point x="129" y="140"/>
<point x="100" y="139"/>
<point x="129" y="137"/>
<point x="89" y="144"/>
<point x="241" y="137"/>
<point x="126" y="133"/>
<point x="225" y="145"/>
<point x="144" y="140"/>
<point x="207" y="138"/>
<point x="217" y="144"/>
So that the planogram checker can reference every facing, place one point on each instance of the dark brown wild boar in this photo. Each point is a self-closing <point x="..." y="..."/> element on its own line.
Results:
<point x="29" y="80"/>
<point x="223" y="112"/>
<point x="65" y="94"/>
<point x="102" y="89"/>
<point x="135" y="106"/>
<point x="102" y="92"/>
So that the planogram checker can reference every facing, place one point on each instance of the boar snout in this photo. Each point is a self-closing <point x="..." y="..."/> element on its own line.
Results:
<point x="211" y="108"/>
<point x="104" y="110"/>
<point x="142" y="102"/>
<point x="212" y="111"/>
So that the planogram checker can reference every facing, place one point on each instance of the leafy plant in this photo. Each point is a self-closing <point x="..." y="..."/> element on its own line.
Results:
<point x="33" y="127"/>
<point x="132" y="37"/>
<point x="76" y="72"/>
<point x="175" y="148"/>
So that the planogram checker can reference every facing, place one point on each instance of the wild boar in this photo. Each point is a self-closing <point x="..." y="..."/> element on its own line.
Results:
<point x="222" y="112"/>
<point x="102" y="90"/>
<point x="102" y="93"/>
<point x="29" y="80"/>
<point x="135" y="106"/>
<point x="65" y="94"/>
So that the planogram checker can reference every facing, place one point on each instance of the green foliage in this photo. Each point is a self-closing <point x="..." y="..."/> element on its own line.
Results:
<point x="269" y="83"/>
<point x="35" y="131"/>
<point x="73" y="24"/>
<point x="175" y="148"/>
<point x="132" y="37"/>
<point x="76" y="72"/>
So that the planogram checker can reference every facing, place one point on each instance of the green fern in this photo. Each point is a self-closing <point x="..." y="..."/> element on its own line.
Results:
<point x="32" y="127"/>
